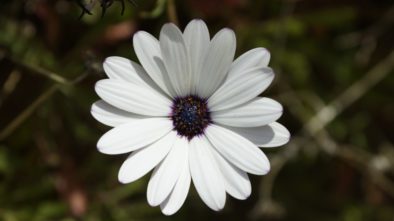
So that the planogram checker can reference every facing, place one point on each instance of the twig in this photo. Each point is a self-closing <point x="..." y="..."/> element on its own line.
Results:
<point x="29" y="68"/>
<point x="357" y="90"/>
<point x="27" y="112"/>
<point x="317" y="123"/>
<point x="360" y="159"/>
<point x="59" y="80"/>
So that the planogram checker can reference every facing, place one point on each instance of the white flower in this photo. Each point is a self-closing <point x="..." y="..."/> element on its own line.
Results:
<point x="190" y="113"/>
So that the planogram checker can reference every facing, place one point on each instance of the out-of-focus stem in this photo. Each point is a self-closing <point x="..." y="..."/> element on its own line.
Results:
<point x="27" y="112"/>
<point x="171" y="12"/>
<point x="56" y="78"/>
<point x="157" y="11"/>
<point x="352" y="94"/>
<point x="40" y="71"/>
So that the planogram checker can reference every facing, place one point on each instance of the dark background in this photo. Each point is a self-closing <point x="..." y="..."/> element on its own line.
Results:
<point x="334" y="61"/>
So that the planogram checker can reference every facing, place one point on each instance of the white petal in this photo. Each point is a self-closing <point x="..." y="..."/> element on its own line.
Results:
<point x="142" y="161"/>
<point x="236" y="181"/>
<point x="119" y="68"/>
<point x="133" y="98"/>
<point x="147" y="49"/>
<point x="165" y="176"/>
<point x="112" y="116"/>
<point x="217" y="62"/>
<point x="257" y="57"/>
<point x="241" y="88"/>
<point x="134" y="135"/>
<point x="271" y="135"/>
<point x="178" y="195"/>
<point x="258" y="112"/>
<point x="205" y="173"/>
<point x="176" y="59"/>
<point x="197" y="40"/>
<point x="238" y="150"/>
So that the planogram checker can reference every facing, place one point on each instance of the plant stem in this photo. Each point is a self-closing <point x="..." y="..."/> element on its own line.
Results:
<point x="171" y="12"/>
<point x="27" y="112"/>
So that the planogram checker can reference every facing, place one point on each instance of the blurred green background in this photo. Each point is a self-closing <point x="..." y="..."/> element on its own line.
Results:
<point x="334" y="61"/>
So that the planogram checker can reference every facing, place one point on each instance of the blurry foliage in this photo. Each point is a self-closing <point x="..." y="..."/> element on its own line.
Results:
<point x="49" y="166"/>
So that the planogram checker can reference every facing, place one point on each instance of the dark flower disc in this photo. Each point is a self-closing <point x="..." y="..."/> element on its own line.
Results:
<point x="190" y="116"/>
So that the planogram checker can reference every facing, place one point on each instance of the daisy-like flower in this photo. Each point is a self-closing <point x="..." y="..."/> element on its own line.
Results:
<point x="189" y="113"/>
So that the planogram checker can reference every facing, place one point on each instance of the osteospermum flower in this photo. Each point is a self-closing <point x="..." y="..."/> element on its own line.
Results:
<point x="191" y="113"/>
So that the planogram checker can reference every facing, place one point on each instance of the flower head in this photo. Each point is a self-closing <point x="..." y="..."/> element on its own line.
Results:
<point x="190" y="113"/>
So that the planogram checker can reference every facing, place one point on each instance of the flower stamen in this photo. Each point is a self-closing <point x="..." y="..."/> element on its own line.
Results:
<point x="190" y="116"/>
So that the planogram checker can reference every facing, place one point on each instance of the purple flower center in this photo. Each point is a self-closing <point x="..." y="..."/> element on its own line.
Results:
<point x="190" y="116"/>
